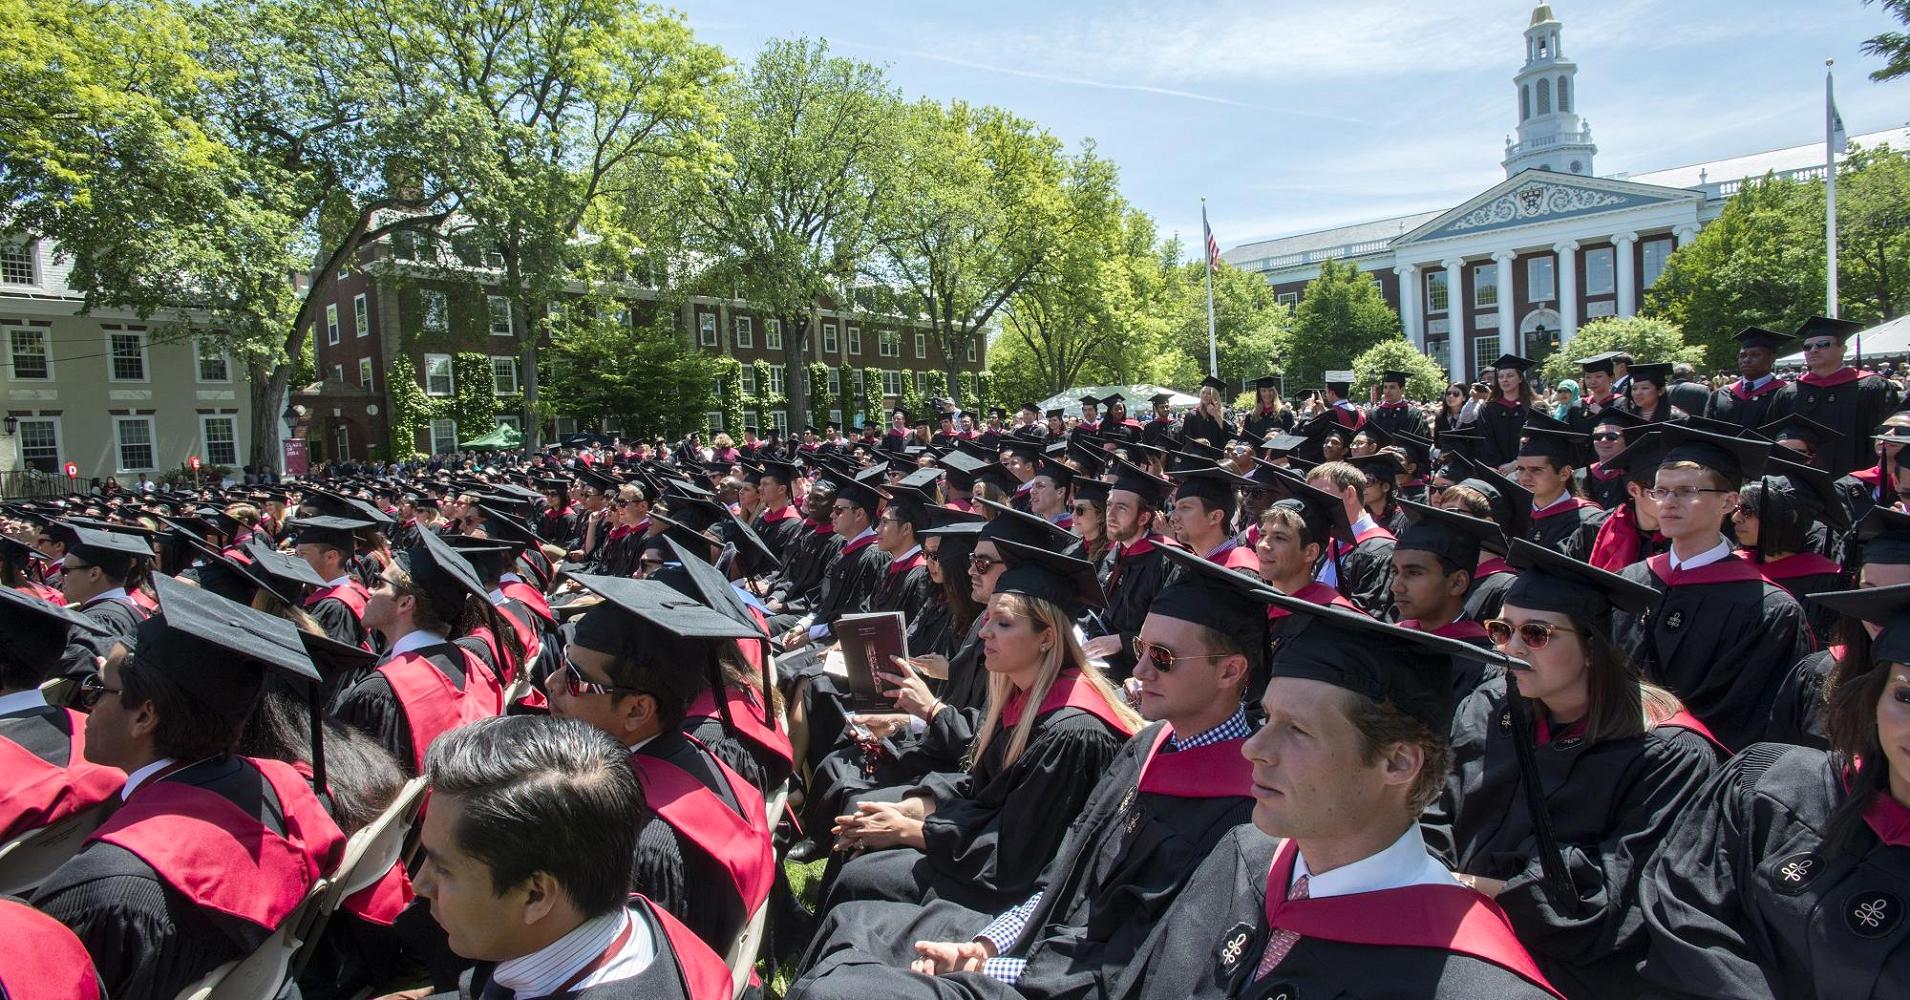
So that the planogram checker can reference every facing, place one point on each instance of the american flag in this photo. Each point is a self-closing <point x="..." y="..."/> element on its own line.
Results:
<point x="1213" y="247"/>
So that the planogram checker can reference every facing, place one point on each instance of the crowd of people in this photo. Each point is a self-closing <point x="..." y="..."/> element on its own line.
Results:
<point x="1481" y="697"/>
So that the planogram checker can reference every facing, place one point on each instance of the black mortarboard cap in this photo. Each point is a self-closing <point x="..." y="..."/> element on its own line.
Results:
<point x="491" y="558"/>
<point x="1809" y="490"/>
<point x="1206" y="593"/>
<point x="1757" y="336"/>
<point x="1152" y="489"/>
<point x="1017" y="526"/>
<point x="1039" y="572"/>
<point x="1735" y="458"/>
<point x="1553" y="582"/>
<point x="1819" y="326"/>
<point x="112" y="551"/>
<point x="1658" y="374"/>
<point x="338" y="532"/>
<point x="444" y="575"/>
<point x="217" y="650"/>
<point x="1161" y="398"/>
<point x="37" y="630"/>
<point x="1217" y="384"/>
<point x="1394" y="375"/>
<point x="1094" y="491"/>
<point x="284" y="572"/>
<point x="1597" y="363"/>
<point x="1380" y="466"/>
<point x="1061" y="475"/>
<point x="1324" y="513"/>
<point x="648" y="604"/>
<point x="1513" y="362"/>
<point x="1511" y="503"/>
<point x="1885" y="533"/>
<point x="1885" y="606"/>
<point x="1565" y="447"/>
<point x="1453" y="537"/>
<point x="1213" y="484"/>
<point x="1797" y="427"/>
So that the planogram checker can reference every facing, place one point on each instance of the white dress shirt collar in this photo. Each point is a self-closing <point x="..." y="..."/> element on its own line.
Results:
<point x="1404" y="863"/>
<point x="542" y="972"/>
<point x="1716" y="553"/>
<point x="340" y="582"/>
<point x="21" y="701"/>
<point x="414" y="639"/>
<point x="135" y="779"/>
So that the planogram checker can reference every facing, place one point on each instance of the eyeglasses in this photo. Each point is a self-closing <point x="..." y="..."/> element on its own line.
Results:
<point x="1746" y="510"/>
<point x="576" y="685"/>
<point x="1083" y="509"/>
<point x="982" y="564"/>
<point x="1612" y="436"/>
<point x="1819" y="345"/>
<point x="1533" y="635"/>
<point x="1163" y="659"/>
<point x="1681" y="494"/>
<point x="93" y="688"/>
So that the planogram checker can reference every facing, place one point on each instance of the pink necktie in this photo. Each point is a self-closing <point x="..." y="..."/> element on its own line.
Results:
<point x="1281" y="941"/>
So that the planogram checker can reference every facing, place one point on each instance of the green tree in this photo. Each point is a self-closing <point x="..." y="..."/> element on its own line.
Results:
<point x="848" y="395"/>
<point x="1425" y="378"/>
<point x="763" y="401"/>
<point x="473" y="401"/>
<point x="730" y="376"/>
<point x="806" y="138"/>
<point x="872" y="395"/>
<point x="1341" y="315"/>
<point x="979" y="206"/>
<point x="411" y="409"/>
<point x="1252" y="330"/>
<point x="1873" y="234"/>
<point x="819" y="399"/>
<point x="1891" y="46"/>
<point x="1646" y="338"/>
<point x="645" y="376"/>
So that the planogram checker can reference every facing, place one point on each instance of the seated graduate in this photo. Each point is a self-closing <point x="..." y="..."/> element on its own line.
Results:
<point x="1298" y="530"/>
<point x="981" y="837"/>
<point x="1202" y="515"/>
<point x="44" y="774"/>
<point x="328" y="545"/>
<point x="1773" y="520"/>
<point x="634" y="664"/>
<point x="529" y="846"/>
<point x="1358" y="569"/>
<point x="1785" y="878"/>
<point x="210" y="850"/>
<point x="99" y="574"/>
<point x="1468" y="488"/>
<point x="426" y="683"/>
<point x="1354" y="747"/>
<point x="1614" y="763"/>
<point x="1547" y="457"/>
<point x="1720" y="636"/>
<point x="1174" y="790"/>
<point x="43" y="960"/>
<point x="798" y="586"/>
<point x="1133" y="569"/>
<point x="1433" y="566"/>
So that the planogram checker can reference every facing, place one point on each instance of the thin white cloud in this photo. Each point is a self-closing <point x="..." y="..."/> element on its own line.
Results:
<point x="1050" y="77"/>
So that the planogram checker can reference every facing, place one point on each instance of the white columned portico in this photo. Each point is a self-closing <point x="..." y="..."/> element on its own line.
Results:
<point x="1409" y="305"/>
<point x="1508" y="327"/>
<point x="1684" y="233"/>
<point x="1456" y="318"/>
<point x="1624" y="245"/>
<point x="1568" y="289"/>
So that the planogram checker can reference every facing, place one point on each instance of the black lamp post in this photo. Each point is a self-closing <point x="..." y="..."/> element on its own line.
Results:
<point x="12" y="424"/>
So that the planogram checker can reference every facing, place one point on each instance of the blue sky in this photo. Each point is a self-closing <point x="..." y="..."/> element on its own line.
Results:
<point x="1295" y="115"/>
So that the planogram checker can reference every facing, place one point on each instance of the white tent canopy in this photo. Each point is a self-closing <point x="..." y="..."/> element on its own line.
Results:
<point x="1136" y="396"/>
<point x="1885" y="340"/>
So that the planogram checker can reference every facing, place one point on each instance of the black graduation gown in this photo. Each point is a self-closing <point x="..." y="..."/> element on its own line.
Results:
<point x="1559" y="525"/>
<point x="815" y="554"/>
<point x="558" y="527"/>
<point x="1209" y="946"/>
<point x="119" y="619"/>
<point x="1606" y="489"/>
<point x="1583" y="416"/>
<point x="1852" y="408"/>
<point x="1366" y="576"/>
<point x="1499" y="426"/>
<point x="338" y="620"/>
<point x="779" y="536"/>
<point x="1689" y="397"/>
<point x="1610" y="804"/>
<point x="1257" y="425"/>
<point x="1130" y="577"/>
<point x="850" y="585"/>
<point x="371" y="706"/>
<point x="1405" y="418"/>
<point x="1746" y="900"/>
<point x="1722" y="647"/>
<point x="1797" y="714"/>
<point x="676" y="874"/>
<point x="1198" y="425"/>
<point x="1118" y="871"/>
<point x="662" y="979"/>
<point x="995" y="827"/>
<point x="911" y="592"/>
<point x="49" y="733"/>
<point x="1734" y="404"/>
<point x="148" y="940"/>
<point x="1157" y="432"/>
<point x="1487" y="594"/>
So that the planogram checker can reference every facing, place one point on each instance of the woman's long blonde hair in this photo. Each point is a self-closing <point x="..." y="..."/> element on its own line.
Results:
<point x="1065" y="653"/>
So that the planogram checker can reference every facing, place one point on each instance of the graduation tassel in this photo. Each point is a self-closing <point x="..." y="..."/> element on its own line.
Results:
<point x="1554" y="881"/>
<point x="317" y="712"/>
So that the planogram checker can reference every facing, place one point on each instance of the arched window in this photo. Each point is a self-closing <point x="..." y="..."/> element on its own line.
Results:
<point x="1545" y="96"/>
<point x="1525" y="102"/>
<point x="1565" y="95"/>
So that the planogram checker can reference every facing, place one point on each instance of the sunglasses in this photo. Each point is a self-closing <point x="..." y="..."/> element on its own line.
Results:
<point x="1819" y="345"/>
<point x="576" y="685"/>
<point x="1163" y="659"/>
<point x="983" y="564"/>
<point x="92" y="689"/>
<point x="1083" y="509"/>
<point x="1607" y="437"/>
<point x="1533" y="635"/>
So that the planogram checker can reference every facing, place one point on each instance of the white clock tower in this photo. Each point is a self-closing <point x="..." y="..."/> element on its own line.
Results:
<point x="1551" y="134"/>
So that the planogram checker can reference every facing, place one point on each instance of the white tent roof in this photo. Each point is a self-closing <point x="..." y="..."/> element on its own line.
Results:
<point x="1885" y="340"/>
<point x="1136" y="395"/>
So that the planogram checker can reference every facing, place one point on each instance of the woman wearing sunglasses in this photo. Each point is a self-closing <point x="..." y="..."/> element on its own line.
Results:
<point x="1786" y="877"/>
<point x="1616" y="761"/>
<point x="1053" y="723"/>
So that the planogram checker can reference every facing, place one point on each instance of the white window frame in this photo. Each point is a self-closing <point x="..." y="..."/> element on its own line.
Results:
<point x="891" y="382"/>
<point x="360" y="315"/>
<point x="30" y="249"/>
<point x="971" y="349"/>
<point x="835" y="416"/>
<point x="1289" y="299"/>
<point x="515" y="421"/>
<point x="777" y="379"/>
<point x="772" y="334"/>
<point x="119" y="444"/>
<point x="749" y="380"/>
<point x="779" y="419"/>
<point x="855" y="340"/>
<point x="1485" y="277"/>
<point x="205" y="437"/>
<point x="830" y="344"/>
<point x="888" y="344"/>
<point x="364" y="374"/>
<point x="1610" y="285"/>
<point x="517" y="385"/>
<point x="1543" y="266"/>
<point x="921" y="344"/>
<point x="1646" y="275"/>
<point x="331" y="324"/>
<point x="835" y="382"/>
<point x="1438" y="296"/>
<point x="439" y="424"/>
<point x="145" y="358"/>
<point x="200" y="357"/>
<point x="338" y="372"/>
<point x="706" y="327"/>
<point x="434" y="311"/>
<point x="45" y="333"/>
<point x="491" y="304"/>
<point x="450" y="375"/>
<point x="1485" y="350"/>
<point x="59" y="442"/>
<point x="745" y="331"/>
<point x="713" y="421"/>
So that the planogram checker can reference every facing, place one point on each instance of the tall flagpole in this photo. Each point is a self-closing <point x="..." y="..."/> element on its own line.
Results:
<point x="1206" y="250"/>
<point x="1831" y="129"/>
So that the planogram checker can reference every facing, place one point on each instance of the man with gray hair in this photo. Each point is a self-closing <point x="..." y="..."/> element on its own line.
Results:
<point x="1686" y="392"/>
<point x="530" y="845"/>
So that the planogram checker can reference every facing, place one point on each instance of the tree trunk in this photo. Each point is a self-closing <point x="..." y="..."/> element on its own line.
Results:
<point x="795" y="370"/>
<point x="527" y="374"/>
<point x="268" y="394"/>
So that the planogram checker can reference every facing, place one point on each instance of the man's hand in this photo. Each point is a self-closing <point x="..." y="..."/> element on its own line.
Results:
<point x="795" y="638"/>
<point x="1102" y="646"/>
<point x="907" y="689"/>
<point x="939" y="958"/>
